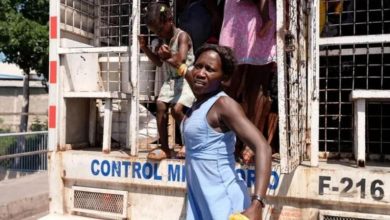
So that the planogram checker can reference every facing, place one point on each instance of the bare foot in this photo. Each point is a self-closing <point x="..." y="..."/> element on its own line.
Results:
<point x="247" y="156"/>
<point x="159" y="154"/>
<point x="181" y="154"/>
<point x="265" y="28"/>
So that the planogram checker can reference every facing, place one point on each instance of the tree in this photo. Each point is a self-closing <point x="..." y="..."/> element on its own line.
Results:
<point x="24" y="40"/>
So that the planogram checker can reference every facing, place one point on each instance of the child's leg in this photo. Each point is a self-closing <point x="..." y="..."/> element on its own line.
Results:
<point x="162" y="124"/>
<point x="162" y="121"/>
<point x="177" y="112"/>
<point x="262" y="5"/>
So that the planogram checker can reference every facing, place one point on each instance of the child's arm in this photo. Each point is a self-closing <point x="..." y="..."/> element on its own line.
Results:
<point x="149" y="53"/>
<point x="184" y="44"/>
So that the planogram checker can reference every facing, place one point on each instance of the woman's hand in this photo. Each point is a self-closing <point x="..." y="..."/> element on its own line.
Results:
<point x="254" y="212"/>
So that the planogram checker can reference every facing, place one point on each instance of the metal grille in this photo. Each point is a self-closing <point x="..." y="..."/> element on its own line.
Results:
<point x="115" y="22"/>
<point x="343" y="69"/>
<point x="100" y="202"/>
<point x="114" y="72"/>
<point x="341" y="215"/>
<point x="354" y="17"/>
<point x="24" y="151"/>
<point x="294" y="74"/>
<point x="378" y="130"/>
<point x="329" y="217"/>
<point x="78" y="15"/>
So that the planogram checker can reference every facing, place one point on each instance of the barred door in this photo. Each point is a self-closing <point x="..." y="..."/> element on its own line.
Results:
<point x="292" y="35"/>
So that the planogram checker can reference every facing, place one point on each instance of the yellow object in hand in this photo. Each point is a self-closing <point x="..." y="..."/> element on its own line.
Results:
<point x="238" y="216"/>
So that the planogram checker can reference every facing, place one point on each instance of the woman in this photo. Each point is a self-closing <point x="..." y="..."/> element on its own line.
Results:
<point x="209" y="131"/>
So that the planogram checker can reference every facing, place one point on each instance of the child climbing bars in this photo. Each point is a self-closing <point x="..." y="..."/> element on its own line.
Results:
<point x="174" y="49"/>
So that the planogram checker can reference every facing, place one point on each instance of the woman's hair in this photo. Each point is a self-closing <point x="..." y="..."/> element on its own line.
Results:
<point x="226" y="54"/>
<point x="157" y="12"/>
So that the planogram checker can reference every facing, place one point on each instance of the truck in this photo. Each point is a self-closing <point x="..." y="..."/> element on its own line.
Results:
<point x="333" y="91"/>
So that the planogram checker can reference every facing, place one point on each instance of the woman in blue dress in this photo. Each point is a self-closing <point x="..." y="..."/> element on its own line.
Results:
<point x="209" y="131"/>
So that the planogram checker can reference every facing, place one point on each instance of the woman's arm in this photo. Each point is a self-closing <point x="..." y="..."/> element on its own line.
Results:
<point x="231" y="115"/>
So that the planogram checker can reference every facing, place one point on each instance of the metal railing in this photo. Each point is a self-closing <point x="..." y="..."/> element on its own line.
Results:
<point x="354" y="55"/>
<point x="24" y="151"/>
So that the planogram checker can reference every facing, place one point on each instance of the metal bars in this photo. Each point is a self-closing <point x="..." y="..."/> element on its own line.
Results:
<point x="115" y="22"/>
<point x="78" y="16"/>
<point x="292" y="79"/>
<point x="354" y="17"/>
<point x="378" y="130"/>
<point x="350" y="60"/>
<point x="24" y="151"/>
<point x="345" y="68"/>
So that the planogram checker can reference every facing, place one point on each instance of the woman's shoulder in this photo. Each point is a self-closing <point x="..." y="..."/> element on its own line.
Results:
<point x="225" y="101"/>
<point x="227" y="108"/>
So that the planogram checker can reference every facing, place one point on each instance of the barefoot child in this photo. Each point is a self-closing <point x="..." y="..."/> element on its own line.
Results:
<point x="209" y="132"/>
<point x="175" y="49"/>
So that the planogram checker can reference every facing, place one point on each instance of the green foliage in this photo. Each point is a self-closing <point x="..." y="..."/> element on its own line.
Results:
<point x="24" y="32"/>
<point x="2" y="129"/>
<point x="18" y="144"/>
<point x="38" y="125"/>
<point x="6" y="143"/>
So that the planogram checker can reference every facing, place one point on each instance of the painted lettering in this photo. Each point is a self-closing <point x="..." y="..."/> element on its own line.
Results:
<point x="136" y="170"/>
<point x="94" y="169"/>
<point x="126" y="165"/>
<point x="105" y="168"/>
<point x="147" y="171"/>
<point x="174" y="172"/>
<point x="250" y="178"/>
<point x="322" y="184"/>
<point x="116" y="168"/>
<point x="274" y="180"/>
<point x="155" y="174"/>
<point x="241" y="173"/>
<point x="377" y="188"/>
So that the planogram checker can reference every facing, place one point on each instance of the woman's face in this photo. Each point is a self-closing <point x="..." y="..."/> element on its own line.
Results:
<point x="207" y="73"/>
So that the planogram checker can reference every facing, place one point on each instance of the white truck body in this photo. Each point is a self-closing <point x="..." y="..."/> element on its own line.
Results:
<point x="100" y="131"/>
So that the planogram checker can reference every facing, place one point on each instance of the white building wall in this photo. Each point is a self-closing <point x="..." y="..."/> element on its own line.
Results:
<point x="11" y="98"/>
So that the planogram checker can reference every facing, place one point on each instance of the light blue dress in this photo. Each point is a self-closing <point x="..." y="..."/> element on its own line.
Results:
<point x="214" y="189"/>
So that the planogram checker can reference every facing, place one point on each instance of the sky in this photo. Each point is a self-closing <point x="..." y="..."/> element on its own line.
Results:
<point x="2" y="57"/>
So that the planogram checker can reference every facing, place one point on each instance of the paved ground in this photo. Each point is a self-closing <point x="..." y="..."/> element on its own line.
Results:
<point x="25" y="197"/>
<point x="36" y="216"/>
